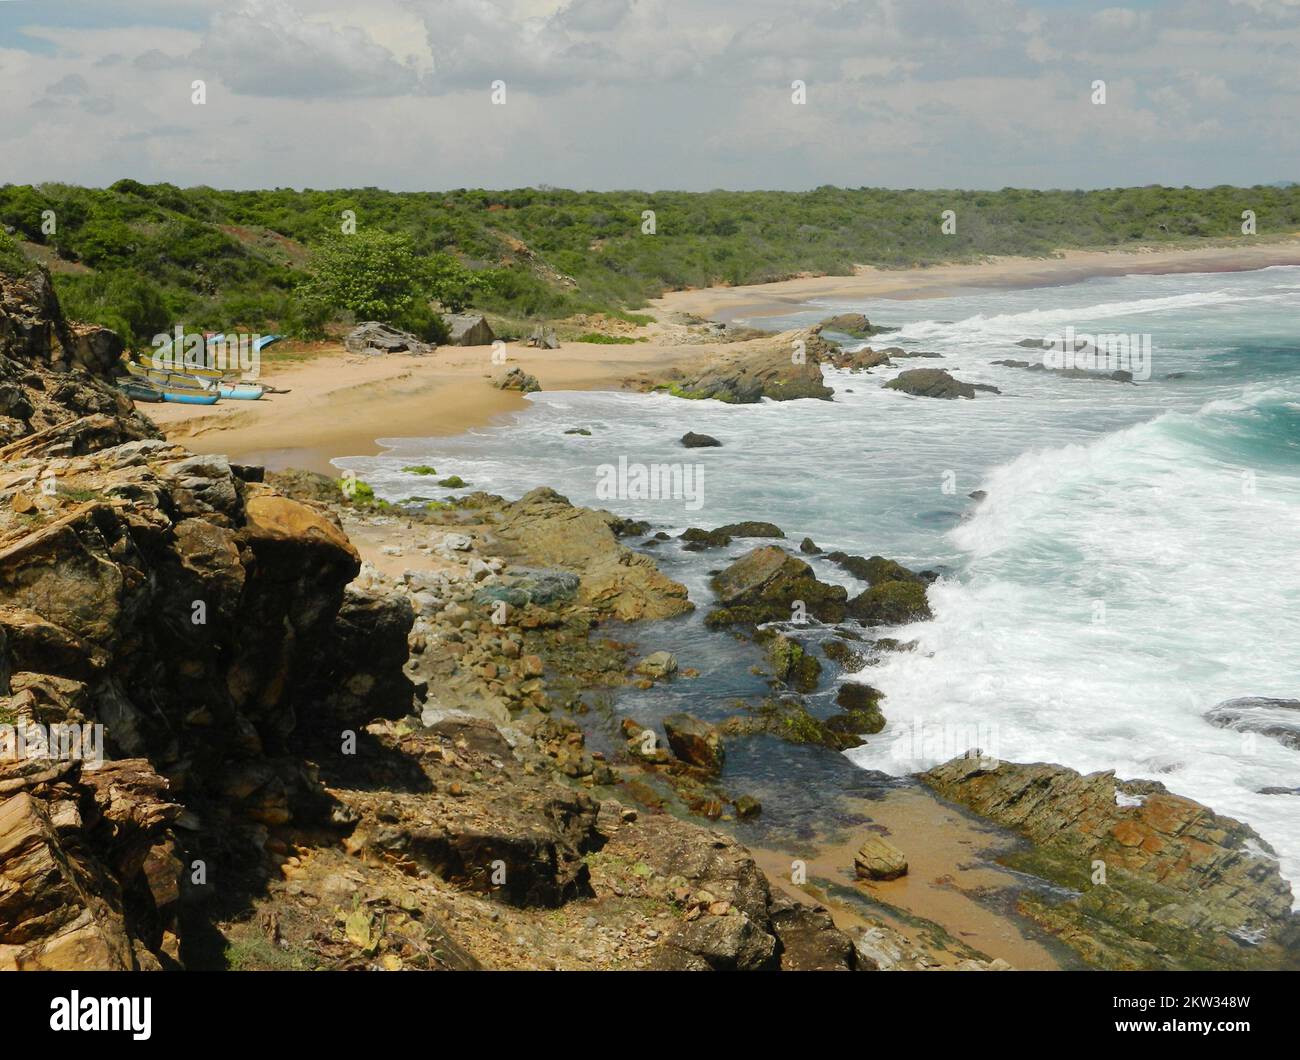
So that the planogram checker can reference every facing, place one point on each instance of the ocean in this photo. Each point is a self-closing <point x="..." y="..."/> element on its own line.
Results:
<point x="1133" y="564"/>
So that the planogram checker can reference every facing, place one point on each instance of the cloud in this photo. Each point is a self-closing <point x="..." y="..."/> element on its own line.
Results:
<point x="651" y="93"/>
<point x="269" y="48"/>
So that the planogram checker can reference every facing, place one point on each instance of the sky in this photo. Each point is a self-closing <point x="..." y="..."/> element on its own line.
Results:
<point x="650" y="94"/>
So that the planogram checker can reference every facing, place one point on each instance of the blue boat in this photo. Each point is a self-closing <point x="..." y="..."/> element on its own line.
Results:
<point x="240" y="391"/>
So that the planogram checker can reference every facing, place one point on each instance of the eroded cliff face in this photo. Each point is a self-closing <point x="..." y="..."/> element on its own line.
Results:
<point x="195" y="614"/>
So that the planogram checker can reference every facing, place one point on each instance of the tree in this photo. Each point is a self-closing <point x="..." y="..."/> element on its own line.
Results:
<point x="372" y="275"/>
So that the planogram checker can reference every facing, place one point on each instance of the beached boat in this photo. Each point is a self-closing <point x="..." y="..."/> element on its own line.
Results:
<point x="199" y="378"/>
<point x="150" y="390"/>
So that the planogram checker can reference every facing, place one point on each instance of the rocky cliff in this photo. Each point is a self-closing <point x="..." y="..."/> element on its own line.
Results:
<point x="195" y="614"/>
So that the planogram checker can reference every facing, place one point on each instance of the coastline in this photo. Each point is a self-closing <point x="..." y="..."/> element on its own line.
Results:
<point x="341" y="403"/>
<point x="938" y="281"/>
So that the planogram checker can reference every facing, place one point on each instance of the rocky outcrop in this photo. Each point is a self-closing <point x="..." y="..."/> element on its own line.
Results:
<point x="1119" y="375"/>
<point x="544" y="529"/>
<point x="782" y="368"/>
<point x="935" y="383"/>
<point x="373" y="336"/>
<point x="188" y="623"/>
<point x="855" y="325"/>
<point x="1158" y="881"/>
<point x="56" y="392"/>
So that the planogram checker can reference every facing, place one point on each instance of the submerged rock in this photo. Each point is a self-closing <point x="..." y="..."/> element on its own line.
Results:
<point x="694" y="741"/>
<point x="691" y="440"/>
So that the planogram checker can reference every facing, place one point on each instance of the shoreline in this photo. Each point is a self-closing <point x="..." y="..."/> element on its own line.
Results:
<point x="727" y="304"/>
<point x="342" y="403"/>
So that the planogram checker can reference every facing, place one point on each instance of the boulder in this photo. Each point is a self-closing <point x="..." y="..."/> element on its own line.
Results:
<point x="809" y="940"/>
<point x="694" y="741"/>
<point x="855" y="325"/>
<point x="766" y="584"/>
<point x="657" y="665"/>
<point x="782" y="368"/>
<point x="935" y="383"/>
<point x="517" y="379"/>
<point x="751" y="528"/>
<point x="543" y="338"/>
<point x="373" y="336"/>
<point x="468" y="329"/>
<point x="891" y="603"/>
<point x="879" y="859"/>
<point x="691" y="440"/>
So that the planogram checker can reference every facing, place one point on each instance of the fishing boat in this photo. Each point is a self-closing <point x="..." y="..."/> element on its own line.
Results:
<point x="150" y="390"/>
<point x="199" y="378"/>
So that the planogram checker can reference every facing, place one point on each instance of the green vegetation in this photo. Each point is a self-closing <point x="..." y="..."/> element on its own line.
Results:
<point x="608" y="340"/>
<point x="452" y="482"/>
<point x="133" y="255"/>
<point x="420" y="469"/>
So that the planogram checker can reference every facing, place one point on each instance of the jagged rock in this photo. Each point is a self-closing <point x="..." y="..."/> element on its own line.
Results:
<point x="373" y="336"/>
<point x="935" y="383"/>
<point x="1183" y="887"/>
<point x="691" y="440"/>
<point x="764" y="585"/>
<point x="694" y="741"/>
<point x="879" y="859"/>
<point x="809" y="547"/>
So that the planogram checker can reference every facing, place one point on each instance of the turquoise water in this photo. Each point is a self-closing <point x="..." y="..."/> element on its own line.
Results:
<point x="1134" y="563"/>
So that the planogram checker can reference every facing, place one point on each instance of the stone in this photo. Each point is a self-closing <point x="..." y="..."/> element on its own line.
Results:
<point x="657" y="665"/>
<point x="765" y="584"/>
<point x="695" y="741"/>
<point x="517" y="379"/>
<point x="468" y="329"/>
<point x="935" y="383"/>
<point x="691" y="440"/>
<point x="373" y="336"/>
<point x="879" y="859"/>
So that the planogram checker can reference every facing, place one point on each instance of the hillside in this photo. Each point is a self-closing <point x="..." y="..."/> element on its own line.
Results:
<point x="141" y="258"/>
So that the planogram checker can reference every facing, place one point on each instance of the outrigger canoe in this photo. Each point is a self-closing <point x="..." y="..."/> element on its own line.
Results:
<point x="148" y="390"/>
<point x="184" y="381"/>
<point x="198" y="379"/>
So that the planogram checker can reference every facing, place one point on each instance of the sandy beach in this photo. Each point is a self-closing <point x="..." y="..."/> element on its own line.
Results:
<point x="341" y="402"/>
<point x="938" y="281"/>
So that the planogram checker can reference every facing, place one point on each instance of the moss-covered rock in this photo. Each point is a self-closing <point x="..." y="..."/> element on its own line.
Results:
<point x="892" y="603"/>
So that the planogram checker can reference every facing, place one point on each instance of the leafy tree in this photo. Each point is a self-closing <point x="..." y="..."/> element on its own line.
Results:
<point x="372" y="275"/>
